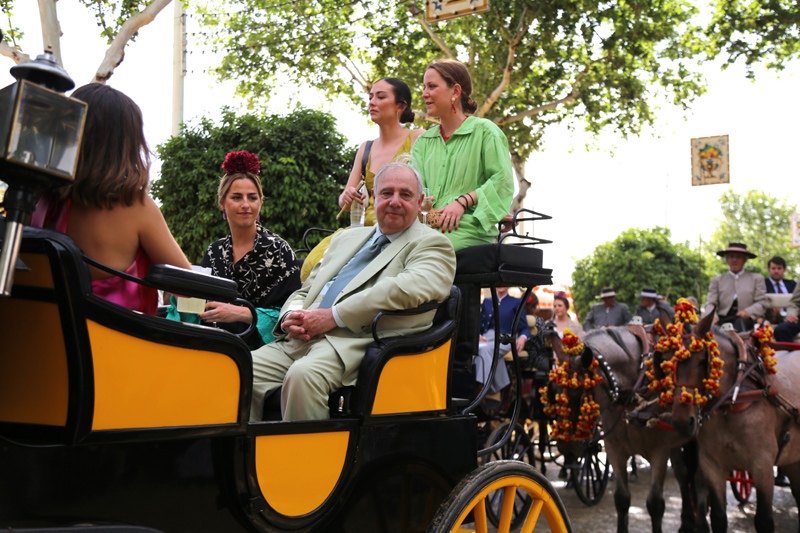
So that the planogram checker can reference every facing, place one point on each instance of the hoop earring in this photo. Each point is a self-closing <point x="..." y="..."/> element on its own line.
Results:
<point x="224" y="215"/>
<point x="453" y="105"/>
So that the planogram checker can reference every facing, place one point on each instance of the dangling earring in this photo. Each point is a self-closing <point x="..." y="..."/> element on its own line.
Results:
<point x="224" y="215"/>
<point x="258" y="217"/>
<point x="453" y="105"/>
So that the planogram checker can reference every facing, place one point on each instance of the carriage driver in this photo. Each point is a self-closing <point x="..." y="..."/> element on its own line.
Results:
<point x="609" y="313"/>
<point x="325" y="326"/>
<point x="650" y="304"/>
<point x="738" y="296"/>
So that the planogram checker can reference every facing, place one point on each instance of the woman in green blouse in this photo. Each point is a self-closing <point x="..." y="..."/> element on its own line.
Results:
<point x="464" y="161"/>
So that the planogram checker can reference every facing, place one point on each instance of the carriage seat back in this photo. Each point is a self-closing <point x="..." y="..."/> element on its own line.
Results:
<point x="76" y="367"/>
<point x="405" y="374"/>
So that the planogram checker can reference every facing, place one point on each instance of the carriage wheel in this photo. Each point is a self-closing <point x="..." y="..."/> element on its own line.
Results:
<point x="591" y="477"/>
<point x="545" y="449"/>
<point x="741" y="485"/>
<point x="467" y="503"/>
<point x="518" y="447"/>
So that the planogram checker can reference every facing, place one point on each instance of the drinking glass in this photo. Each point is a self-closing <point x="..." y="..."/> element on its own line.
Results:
<point x="427" y="204"/>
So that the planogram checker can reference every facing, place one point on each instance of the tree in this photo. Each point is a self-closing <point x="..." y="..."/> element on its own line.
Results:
<point x="756" y="31"/>
<point x="637" y="259"/>
<point x="304" y="166"/>
<point x="533" y="63"/>
<point x="759" y="220"/>
<point x="118" y="20"/>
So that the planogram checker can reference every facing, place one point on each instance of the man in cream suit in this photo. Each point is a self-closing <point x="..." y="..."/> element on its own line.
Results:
<point x="319" y="347"/>
<point x="737" y="296"/>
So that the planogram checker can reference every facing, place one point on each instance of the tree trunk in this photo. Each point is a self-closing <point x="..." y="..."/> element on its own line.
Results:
<point x="519" y="170"/>
<point x="116" y="52"/>
<point x="51" y="29"/>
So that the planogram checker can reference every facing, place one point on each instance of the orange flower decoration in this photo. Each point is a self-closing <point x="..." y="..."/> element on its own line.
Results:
<point x="572" y="343"/>
<point x="684" y="312"/>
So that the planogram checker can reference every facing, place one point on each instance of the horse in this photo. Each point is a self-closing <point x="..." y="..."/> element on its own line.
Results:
<point x="616" y="355"/>
<point x="742" y="416"/>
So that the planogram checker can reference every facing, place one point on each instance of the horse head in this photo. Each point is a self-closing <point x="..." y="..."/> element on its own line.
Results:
<point x="691" y="367"/>
<point x="569" y="396"/>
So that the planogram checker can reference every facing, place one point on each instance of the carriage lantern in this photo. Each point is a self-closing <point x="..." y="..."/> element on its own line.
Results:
<point x="40" y="137"/>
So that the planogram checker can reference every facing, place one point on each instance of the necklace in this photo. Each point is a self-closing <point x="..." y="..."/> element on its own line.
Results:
<point x="447" y="137"/>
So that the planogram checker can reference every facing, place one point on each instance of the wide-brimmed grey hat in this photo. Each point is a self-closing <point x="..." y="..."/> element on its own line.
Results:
<point x="737" y="247"/>
<point x="648" y="292"/>
<point x="607" y="292"/>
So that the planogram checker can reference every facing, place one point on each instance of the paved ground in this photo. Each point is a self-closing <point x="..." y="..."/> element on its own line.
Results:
<point x="602" y="517"/>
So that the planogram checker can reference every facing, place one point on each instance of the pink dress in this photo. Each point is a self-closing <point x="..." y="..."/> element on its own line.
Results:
<point x="117" y="290"/>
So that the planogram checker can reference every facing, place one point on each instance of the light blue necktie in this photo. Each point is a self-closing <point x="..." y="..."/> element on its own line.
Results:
<point x="351" y="270"/>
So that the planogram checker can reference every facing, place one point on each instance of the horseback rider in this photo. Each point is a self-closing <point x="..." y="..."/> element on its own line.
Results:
<point x="649" y="305"/>
<point x="738" y="296"/>
<point x="609" y="313"/>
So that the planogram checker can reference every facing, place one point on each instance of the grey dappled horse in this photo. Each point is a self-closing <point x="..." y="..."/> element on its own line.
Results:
<point x="622" y="351"/>
<point x="745" y="436"/>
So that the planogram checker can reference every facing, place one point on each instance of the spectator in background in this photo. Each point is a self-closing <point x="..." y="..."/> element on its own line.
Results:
<point x="777" y="284"/>
<point x="535" y="343"/>
<point x="562" y="319"/>
<point x="650" y="304"/>
<point x="508" y="306"/>
<point x="609" y="313"/>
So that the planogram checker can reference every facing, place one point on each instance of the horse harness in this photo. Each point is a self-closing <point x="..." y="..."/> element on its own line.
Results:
<point x="751" y="386"/>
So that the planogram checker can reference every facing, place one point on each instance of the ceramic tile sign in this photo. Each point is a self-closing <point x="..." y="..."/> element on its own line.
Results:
<point x="710" y="164"/>
<point x="438" y="10"/>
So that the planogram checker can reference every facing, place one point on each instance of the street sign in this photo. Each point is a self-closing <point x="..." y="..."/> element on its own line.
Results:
<point x="438" y="10"/>
<point x="710" y="160"/>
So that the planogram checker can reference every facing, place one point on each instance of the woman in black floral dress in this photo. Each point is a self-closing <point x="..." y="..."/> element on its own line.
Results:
<point x="262" y="264"/>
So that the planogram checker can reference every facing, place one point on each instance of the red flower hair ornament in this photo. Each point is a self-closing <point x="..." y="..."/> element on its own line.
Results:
<point x="241" y="162"/>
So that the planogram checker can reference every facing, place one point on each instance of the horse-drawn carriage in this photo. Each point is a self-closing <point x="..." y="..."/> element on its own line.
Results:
<point x="111" y="420"/>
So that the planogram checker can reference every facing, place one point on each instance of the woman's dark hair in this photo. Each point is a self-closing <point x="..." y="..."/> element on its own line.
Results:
<point x="453" y="72"/>
<point x="531" y="303"/>
<point x="114" y="162"/>
<point x="562" y="299"/>
<point x="402" y="95"/>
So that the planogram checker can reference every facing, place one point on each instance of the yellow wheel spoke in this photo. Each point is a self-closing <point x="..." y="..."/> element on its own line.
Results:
<point x="509" y="496"/>
<point x="533" y="516"/>
<point x="479" y="512"/>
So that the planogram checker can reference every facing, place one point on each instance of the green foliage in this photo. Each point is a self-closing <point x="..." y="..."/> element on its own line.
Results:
<point x="637" y="259"/>
<point x="110" y="15"/>
<point x="594" y="62"/>
<point x="760" y="221"/>
<point x="304" y="166"/>
<point x="756" y="30"/>
<point x="11" y="33"/>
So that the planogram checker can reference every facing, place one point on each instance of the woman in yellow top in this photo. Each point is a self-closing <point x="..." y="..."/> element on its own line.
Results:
<point x="389" y="108"/>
